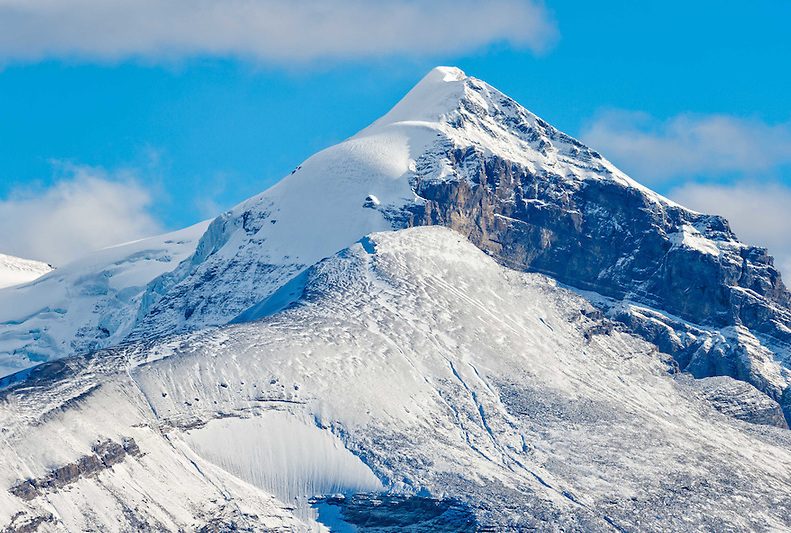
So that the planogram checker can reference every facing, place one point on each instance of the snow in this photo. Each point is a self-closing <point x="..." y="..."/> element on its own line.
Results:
<point x="284" y="455"/>
<point x="16" y="271"/>
<point x="690" y="237"/>
<point x="414" y="361"/>
<point x="319" y="209"/>
<point x="436" y="95"/>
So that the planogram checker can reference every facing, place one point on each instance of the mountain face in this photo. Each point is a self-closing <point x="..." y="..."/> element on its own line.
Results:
<point x="431" y="386"/>
<point x="578" y="352"/>
<point x="16" y="271"/>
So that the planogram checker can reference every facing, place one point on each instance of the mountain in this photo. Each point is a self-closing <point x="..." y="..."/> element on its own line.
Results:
<point x="457" y="152"/>
<point x="16" y="271"/>
<point x="432" y="386"/>
<point x="568" y="350"/>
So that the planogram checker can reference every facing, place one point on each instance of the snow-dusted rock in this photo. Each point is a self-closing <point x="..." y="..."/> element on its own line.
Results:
<point x="740" y="400"/>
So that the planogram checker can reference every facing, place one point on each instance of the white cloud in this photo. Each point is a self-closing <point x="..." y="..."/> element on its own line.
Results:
<point x="689" y="145"/>
<point x="279" y="31"/>
<point x="88" y="210"/>
<point x="758" y="213"/>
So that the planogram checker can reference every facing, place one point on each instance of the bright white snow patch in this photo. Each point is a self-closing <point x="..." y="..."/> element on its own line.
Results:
<point x="690" y="237"/>
<point x="284" y="455"/>
<point x="15" y="270"/>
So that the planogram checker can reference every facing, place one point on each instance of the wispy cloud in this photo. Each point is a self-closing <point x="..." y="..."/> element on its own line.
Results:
<point x="87" y="210"/>
<point x="684" y="146"/>
<point x="758" y="213"/>
<point x="275" y="31"/>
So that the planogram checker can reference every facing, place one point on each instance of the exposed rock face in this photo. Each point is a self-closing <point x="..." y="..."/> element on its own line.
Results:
<point x="602" y="236"/>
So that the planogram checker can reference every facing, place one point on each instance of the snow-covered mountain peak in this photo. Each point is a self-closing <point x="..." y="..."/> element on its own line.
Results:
<point x="16" y="270"/>
<point x="455" y="152"/>
<point x="527" y="364"/>
<point x="449" y="73"/>
<point x="465" y="113"/>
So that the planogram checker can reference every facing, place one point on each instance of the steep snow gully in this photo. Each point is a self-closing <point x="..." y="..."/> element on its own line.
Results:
<point x="460" y="318"/>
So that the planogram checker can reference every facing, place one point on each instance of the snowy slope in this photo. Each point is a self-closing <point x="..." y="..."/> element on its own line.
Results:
<point x="87" y="304"/>
<point x="16" y="271"/>
<point x="411" y="363"/>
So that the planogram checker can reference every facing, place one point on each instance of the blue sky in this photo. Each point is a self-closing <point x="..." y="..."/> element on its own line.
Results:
<point x="186" y="122"/>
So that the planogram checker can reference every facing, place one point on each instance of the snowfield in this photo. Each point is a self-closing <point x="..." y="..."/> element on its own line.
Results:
<point x="410" y="363"/>
<point x="16" y="271"/>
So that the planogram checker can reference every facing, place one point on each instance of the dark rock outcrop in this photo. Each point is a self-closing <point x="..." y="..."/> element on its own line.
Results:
<point x="105" y="454"/>
<point x="27" y="523"/>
